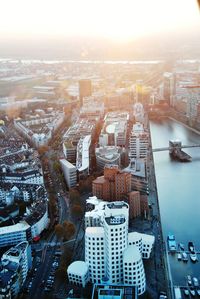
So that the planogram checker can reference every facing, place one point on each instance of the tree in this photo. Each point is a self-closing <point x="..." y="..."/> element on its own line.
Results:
<point x="69" y="229"/>
<point x="74" y="197"/>
<point x="59" y="230"/>
<point x="77" y="211"/>
<point x="43" y="149"/>
<point x="56" y="166"/>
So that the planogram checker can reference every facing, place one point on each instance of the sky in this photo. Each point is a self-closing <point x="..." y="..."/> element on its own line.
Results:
<point x="115" y="19"/>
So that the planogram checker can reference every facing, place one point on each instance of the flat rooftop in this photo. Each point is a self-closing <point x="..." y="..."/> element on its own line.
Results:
<point x="115" y="220"/>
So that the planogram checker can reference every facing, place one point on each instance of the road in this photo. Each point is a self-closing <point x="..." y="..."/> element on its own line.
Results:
<point x="48" y="248"/>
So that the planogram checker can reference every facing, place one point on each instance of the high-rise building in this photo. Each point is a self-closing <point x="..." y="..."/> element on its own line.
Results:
<point x="85" y="89"/>
<point x="139" y="142"/>
<point x="168" y="87"/>
<point x="139" y="91"/>
<point x="111" y="252"/>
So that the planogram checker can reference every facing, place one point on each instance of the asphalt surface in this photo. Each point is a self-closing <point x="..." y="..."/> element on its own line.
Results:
<point x="45" y="249"/>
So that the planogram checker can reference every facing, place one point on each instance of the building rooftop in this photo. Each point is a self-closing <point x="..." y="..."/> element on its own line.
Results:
<point x="21" y="226"/>
<point x="115" y="220"/>
<point x="79" y="268"/>
<point x="94" y="230"/>
<point x="135" y="236"/>
<point x="117" y="205"/>
<point x="132" y="254"/>
<point x="113" y="291"/>
<point x="137" y="167"/>
<point x="67" y="164"/>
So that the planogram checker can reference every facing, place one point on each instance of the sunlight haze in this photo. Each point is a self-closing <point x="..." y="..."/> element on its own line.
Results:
<point x="115" y="19"/>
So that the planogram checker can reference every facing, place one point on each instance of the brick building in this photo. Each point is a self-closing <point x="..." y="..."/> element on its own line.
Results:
<point x="115" y="185"/>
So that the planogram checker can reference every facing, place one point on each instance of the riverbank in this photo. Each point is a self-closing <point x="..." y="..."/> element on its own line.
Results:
<point x="185" y="125"/>
<point x="161" y="265"/>
<point x="178" y="188"/>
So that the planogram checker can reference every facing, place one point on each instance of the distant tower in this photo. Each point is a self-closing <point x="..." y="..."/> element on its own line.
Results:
<point x="85" y="89"/>
<point x="139" y="91"/>
<point x="168" y="88"/>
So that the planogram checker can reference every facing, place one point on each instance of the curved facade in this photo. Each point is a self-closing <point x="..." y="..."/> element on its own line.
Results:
<point x="116" y="232"/>
<point x="94" y="253"/>
<point x="107" y="155"/>
<point x="133" y="269"/>
<point x="135" y="238"/>
<point x="78" y="273"/>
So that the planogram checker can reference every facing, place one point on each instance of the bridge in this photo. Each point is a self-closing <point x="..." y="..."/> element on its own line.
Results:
<point x="171" y="148"/>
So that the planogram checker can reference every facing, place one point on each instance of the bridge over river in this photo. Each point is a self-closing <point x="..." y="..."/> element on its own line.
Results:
<point x="174" y="145"/>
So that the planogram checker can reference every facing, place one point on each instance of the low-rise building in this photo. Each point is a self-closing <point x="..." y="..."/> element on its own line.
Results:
<point x="113" y="184"/>
<point x="107" y="155"/>
<point x="114" y="131"/>
<point x="39" y="130"/>
<point x="78" y="273"/>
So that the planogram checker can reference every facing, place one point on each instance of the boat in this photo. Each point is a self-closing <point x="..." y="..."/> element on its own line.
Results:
<point x="184" y="256"/>
<point x="181" y="246"/>
<point x="193" y="257"/>
<point x="189" y="280"/>
<point x="191" y="246"/>
<point x="192" y="292"/>
<point x="195" y="281"/>
<point x="179" y="256"/>
<point x="186" y="292"/>
<point x="171" y="243"/>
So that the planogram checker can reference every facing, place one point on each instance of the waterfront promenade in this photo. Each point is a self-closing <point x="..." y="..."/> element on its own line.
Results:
<point x="161" y="263"/>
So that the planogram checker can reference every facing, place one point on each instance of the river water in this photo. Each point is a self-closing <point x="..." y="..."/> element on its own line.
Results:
<point x="178" y="186"/>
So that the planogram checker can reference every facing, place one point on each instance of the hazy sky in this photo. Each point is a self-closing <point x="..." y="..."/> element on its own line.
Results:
<point x="118" y="19"/>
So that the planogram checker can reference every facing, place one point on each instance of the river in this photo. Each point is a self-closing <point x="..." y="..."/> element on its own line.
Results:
<point x="178" y="186"/>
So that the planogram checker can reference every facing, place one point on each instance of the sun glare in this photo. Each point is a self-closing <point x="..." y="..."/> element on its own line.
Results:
<point x="115" y="19"/>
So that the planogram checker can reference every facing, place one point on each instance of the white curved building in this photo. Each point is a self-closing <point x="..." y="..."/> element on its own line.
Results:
<point x="116" y="234"/>
<point x="133" y="269"/>
<point x="143" y="241"/>
<point x="111" y="253"/>
<point x="135" y="238"/>
<point x="78" y="273"/>
<point x="94" y="253"/>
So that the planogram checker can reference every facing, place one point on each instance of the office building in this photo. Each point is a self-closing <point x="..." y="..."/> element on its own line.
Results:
<point x="112" y="185"/>
<point x="107" y="155"/>
<point x="85" y="89"/>
<point x="133" y="269"/>
<point x="78" y="273"/>
<point x="70" y="173"/>
<point x="20" y="254"/>
<point x="168" y="87"/>
<point x="114" y="131"/>
<point x="138" y="142"/>
<point x="112" y="252"/>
